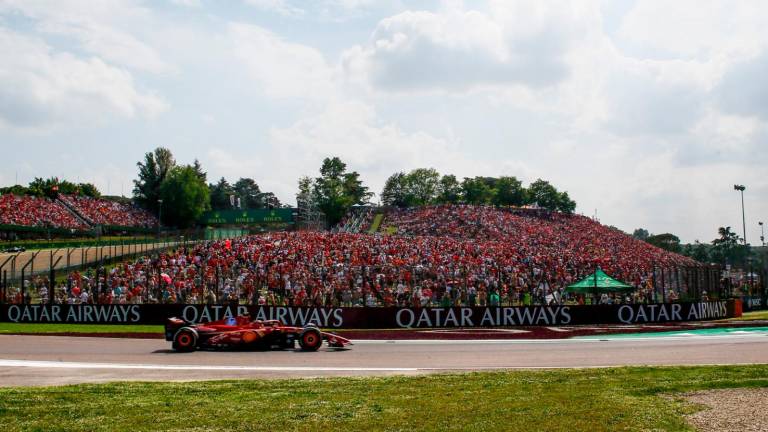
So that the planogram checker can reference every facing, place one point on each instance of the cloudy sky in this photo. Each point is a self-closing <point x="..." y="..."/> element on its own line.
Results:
<point x="646" y="112"/>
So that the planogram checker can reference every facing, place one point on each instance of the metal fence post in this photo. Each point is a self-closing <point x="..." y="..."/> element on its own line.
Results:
<point x="217" y="284"/>
<point x="51" y="279"/>
<point x="22" y="287"/>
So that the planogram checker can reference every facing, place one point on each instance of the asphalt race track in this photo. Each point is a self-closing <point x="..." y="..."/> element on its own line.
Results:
<point x="54" y="360"/>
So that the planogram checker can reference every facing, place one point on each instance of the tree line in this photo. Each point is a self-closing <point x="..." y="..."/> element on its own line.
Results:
<point x="180" y="193"/>
<point x="51" y="187"/>
<point x="726" y="248"/>
<point x="425" y="186"/>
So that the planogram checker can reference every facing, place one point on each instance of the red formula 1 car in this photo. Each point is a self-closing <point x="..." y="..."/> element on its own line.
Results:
<point x="243" y="333"/>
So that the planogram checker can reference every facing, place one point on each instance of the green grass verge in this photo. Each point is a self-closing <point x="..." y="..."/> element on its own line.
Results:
<point x="77" y="328"/>
<point x="31" y="245"/>
<point x="755" y="315"/>
<point x="618" y="399"/>
<point x="376" y="223"/>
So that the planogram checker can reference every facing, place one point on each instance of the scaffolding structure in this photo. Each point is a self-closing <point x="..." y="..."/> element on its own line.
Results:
<point x="308" y="215"/>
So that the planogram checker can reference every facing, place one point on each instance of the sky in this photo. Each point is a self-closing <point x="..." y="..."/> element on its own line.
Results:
<point x="646" y="112"/>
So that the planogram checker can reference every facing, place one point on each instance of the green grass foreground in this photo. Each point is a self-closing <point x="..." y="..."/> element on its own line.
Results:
<point x="77" y="328"/>
<point x="616" y="399"/>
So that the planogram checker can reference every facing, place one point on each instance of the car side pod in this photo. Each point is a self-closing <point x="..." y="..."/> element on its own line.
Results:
<point x="172" y="325"/>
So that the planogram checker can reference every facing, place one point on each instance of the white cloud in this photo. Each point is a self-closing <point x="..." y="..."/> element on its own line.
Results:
<point x="354" y="132"/>
<point x="282" y="7"/>
<point x="744" y="89"/>
<point x="455" y="50"/>
<point x="694" y="28"/>
<point x="333" y="10"/>
<point x="187" y="3"/>
<point x="106" y="28"/>
<point x="282" y="69"/>
<point x="42" y="86"/>
<point x="649" y="115"/>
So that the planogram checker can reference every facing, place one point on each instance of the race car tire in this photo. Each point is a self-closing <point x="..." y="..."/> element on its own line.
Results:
<point x="310" y="339"/>
<point x="185" y="340"/>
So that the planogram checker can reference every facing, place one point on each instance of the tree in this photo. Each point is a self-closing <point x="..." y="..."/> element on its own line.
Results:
<point x="565" y="204"/>
<point x="51" y="187"/>
<point x="665" y="241"/>
<point x="477" y="191"/>
<point x="544" y="195"/>
<point x="270" y="200"/>
<point x="337" y="190"/>
<point x="152" y="173"/>
<point x="395" y="192"/>
<point x="700" y="252"/>
<point x="641" y="234"/>
<point x="15" y="190"/>
<point x="185" y="197"/>
<point x="219" y="194"/>
<point x="449" y="190"/>
<point x="249" y="193"/>
<point x="726" y="248"/>
<point x="89" y="190"/>
<point x="305" y="190"/>
<point x="353" y="187"/>
<point x="202" y="175"/>
<point x="422" y="185"/>
<point x="509" y="191"/>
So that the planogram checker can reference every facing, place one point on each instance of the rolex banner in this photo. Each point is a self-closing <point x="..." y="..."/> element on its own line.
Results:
<point x="361" y="318"/>
<point x="247" y="217"/>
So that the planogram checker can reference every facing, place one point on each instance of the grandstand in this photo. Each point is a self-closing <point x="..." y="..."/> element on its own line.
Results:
<point x="99" y="211"/>
<point x="68" y="214"/>
<point x="541" y="235"/>
<point x="37" y="212"/>
<point x="437" y="256"/>
<point x="358" y="219"/>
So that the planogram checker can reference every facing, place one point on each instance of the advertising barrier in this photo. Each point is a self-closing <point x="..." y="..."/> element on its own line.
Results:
<point x="245" y="217"/>
<point x="753" y="303"/>
<point x="362" y="318"/>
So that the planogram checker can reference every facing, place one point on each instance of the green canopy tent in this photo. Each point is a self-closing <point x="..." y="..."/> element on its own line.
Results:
<point x="598" y="283"/>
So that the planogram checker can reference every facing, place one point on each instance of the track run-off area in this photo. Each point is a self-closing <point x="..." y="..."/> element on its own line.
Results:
<point x="56" y="360"/>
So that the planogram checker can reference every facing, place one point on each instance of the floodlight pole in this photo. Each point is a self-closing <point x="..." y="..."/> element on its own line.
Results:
<point x="741" y="188"/>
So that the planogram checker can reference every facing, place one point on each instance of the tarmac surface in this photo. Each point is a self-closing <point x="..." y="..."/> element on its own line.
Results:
<point x="39" y="261"/>
<point x="57" y="360"/>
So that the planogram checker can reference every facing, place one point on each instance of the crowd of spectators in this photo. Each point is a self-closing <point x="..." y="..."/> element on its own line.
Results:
<point x="441" y="256"/>
<point x="551" y="240"/>
<point x="99" y="211"/>
<point x="33" y="211"/>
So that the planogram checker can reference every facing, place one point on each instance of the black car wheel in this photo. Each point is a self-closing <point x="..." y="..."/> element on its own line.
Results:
<point x="185" y="340"/>
<point x="310" y="339"/>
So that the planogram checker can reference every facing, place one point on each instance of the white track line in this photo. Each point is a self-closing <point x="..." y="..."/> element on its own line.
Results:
<point x="81" y="365"/>
<point x="583" y="339"/>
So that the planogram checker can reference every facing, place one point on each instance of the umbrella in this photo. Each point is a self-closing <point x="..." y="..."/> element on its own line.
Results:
<point x="598" y="282"/>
